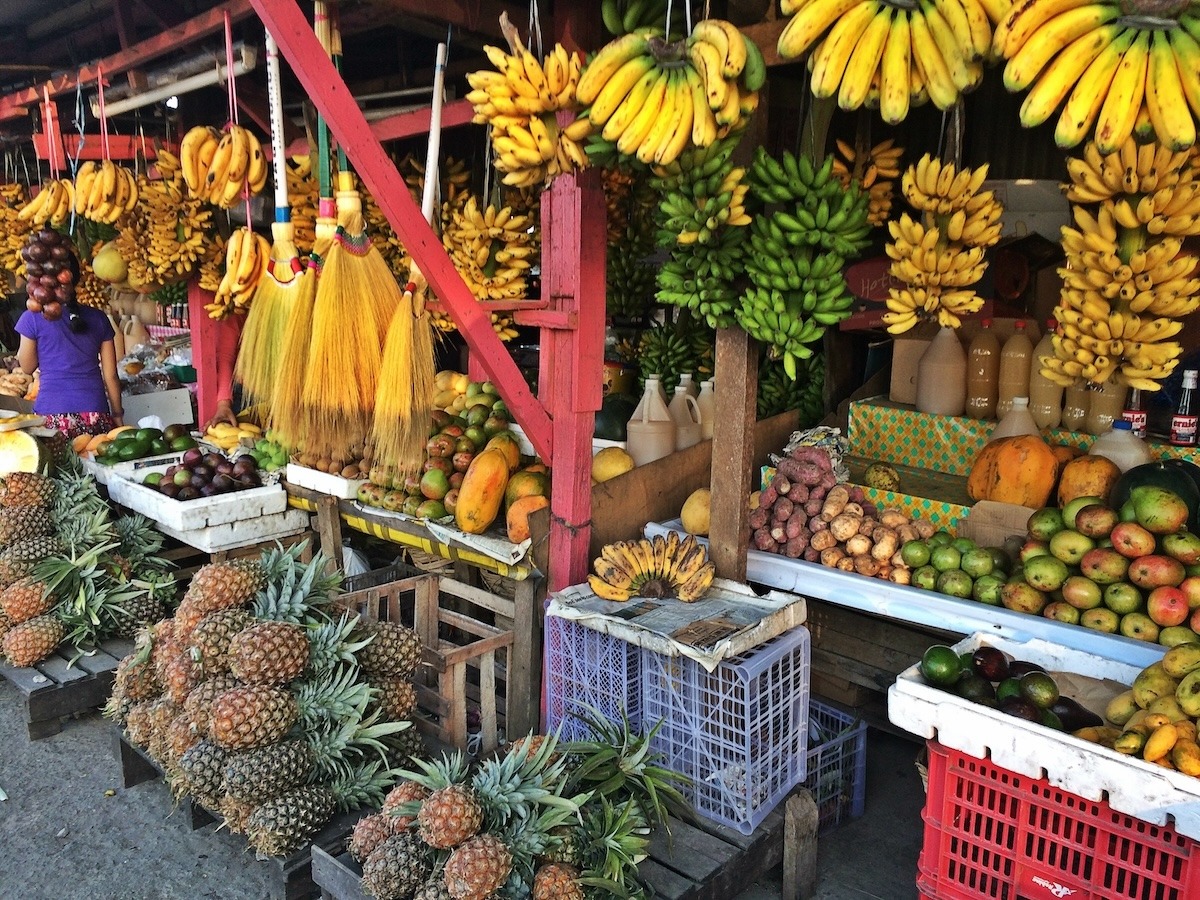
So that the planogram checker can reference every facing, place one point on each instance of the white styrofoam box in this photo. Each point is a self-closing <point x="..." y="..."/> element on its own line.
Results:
<point x="920" y="607"/>
<point x="527" y="447"/>
<point x="173" y="406"/>
<point x="232" y="535"/>
<point x="1132" y="786"/>
<point x="131" y="469"/>
<point x="323" y="482"/>
<point x="99" y="471"/>
<point x="200" y="513"/>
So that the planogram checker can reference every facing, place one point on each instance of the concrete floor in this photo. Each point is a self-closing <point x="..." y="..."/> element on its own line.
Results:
<point x="68" y="829"/>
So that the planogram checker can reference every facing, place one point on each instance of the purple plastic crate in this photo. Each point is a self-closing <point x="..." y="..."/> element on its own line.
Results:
<point x="837" y="764"/>
<point x="739" y="732"/>
<point x="587" y="668"/>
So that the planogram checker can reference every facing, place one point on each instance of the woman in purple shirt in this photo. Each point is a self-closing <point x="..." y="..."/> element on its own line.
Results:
<point x="79" y="392"/>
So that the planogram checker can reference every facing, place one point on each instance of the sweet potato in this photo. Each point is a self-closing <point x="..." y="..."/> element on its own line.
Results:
<point x="798" y="493"/>
<point x="779" y="532"/>
<point x="823" y="540"/>
<point x="768" y="496"/>
<point x="814" y="455"/>
<point x="857" y="494"/>
<point x="759" y="517"/>
<point x="795" y="548"/>
<point x="782" y="485"/>
<point x="763" y="539"/>
<point x="811" y="555"/>
<point x="817" y="524"/>
<point x="828" y="480"/>
<point x="831" y="556"/>
<point x="843" y="527"/>
<point x="858" y="545"/>
<point x="783" y="509"/>
<point x="870" y="509"/>
<point x="812" y="507"/>
<point x="796" y="526"/>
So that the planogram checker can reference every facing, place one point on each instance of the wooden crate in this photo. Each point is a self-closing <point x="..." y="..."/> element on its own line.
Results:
<point x="188" y="559"/>
<point x="699" y="861"/>
<point x="295" y="879"/>
<point x="482" y="653"/>
<point x="58" y="687"/>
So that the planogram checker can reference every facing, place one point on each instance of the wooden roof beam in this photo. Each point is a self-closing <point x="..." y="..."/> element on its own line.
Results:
<point x="477" y="16"/>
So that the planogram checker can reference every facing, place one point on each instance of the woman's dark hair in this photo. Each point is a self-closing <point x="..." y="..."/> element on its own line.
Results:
<point x="74" y="319"/>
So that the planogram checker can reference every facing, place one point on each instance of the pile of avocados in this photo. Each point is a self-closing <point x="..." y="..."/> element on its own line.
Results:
<point x="138" y="443"/>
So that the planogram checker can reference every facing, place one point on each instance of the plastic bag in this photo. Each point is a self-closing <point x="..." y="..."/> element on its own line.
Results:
<point x="354" y="562"/>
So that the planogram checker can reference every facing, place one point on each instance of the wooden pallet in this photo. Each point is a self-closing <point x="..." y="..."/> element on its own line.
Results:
<point x="701" y="861"/>
<point x="294" y="872"/>
<point x="56" y="688"/>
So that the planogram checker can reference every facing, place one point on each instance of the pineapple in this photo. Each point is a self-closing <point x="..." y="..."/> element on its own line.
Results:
<point x="513" y="786"/>
<point x="181" y="737"/>
<point x="181" y="678"/>
<point x="218" y="586"/>
<point x="556" y="881"/>
<point x="28" y="489"/>
<point x="369" y="833"/>
<point x="296" y="591"/>
<point x="283" y="825"/>
<point x="137" y="612"/>
<point x="401" y="795"/>
<point x="137" y="724"/>
<point x="477" y="868"/>
<point x="30" y="642"/>
<point x="136" y="678"/>
<point x="162" y="714"/>
<point x="17" y="560"/>
<point x="236" y="814"/>
<point x="198" y="704"/>
<point x="5" y="624"/>
<point x="269" y="653"/>
<point x="396" y="868"/>
<point x="163" y="646"/>
<point x="395" y="651"/>
<point x="449" y="816"/>
<point x="212" y="635"/>
<point x="395" y="698"/>
<point x="255" y="776"/>
<point x="20" y="523"/>
<point x="251" y="716"/>
<point x="203" y="768"/>
<point x="405" y="746"/>
<point x="25" y="600"/>
<point x="434" y="889"/>
<point x="333" y="642"/>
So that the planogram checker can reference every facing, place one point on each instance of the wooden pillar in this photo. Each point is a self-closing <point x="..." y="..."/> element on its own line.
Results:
<point x="572" y="360"/>
<point x="204" y="351"/>
<point x="736" y="376"/>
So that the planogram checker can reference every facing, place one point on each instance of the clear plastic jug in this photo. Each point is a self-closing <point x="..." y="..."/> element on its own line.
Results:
<point x="708" y="410"/>
<point x="650" y="434"/>
<point x="685" y="412"/>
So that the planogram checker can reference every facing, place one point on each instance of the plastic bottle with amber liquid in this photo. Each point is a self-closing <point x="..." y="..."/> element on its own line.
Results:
<point x="1076" y="401"/>
<point x="942" y="376"/>
<point x="983" y="373"/>
<point x="1105" y="407"/>
<point x="1045" y="396"/>
<point x="1014" y="369"/>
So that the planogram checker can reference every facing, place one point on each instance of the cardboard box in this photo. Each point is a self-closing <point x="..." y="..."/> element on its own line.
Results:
<point x="1026" y="274"/>
<point x="173" y="406"/>
<point x="1031" y="207"/>
<point x="908" y="348"/>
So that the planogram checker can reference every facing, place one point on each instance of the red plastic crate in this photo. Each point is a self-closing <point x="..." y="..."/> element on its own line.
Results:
<point x="992" y="834"/>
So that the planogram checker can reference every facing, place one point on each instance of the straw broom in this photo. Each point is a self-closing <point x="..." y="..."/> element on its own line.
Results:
<point x="257" y="365"/>
<point x="404" y="400"/>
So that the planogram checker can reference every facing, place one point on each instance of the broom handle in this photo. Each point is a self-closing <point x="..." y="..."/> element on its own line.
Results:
<point x="435" y="135"/>
<point x="283" y="211"/>
<point x="325" y="182"/>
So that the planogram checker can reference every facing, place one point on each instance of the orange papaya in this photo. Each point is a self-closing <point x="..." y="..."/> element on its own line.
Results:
<point x="482" y="491"/>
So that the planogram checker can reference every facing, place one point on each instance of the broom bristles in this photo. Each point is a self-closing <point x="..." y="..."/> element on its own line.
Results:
<point x="404" y="399"/>
<point x="288" y="418"/>
<point x="259" y="352"/>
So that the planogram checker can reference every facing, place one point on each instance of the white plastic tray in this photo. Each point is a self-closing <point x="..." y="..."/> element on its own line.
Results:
<point x="323" y="482"/>
<point x="1130" y="785"/>
<point x="200" y="513"/>
<point x="241" y="533"/>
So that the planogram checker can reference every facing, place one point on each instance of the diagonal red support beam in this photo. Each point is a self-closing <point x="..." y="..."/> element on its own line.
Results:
<point x="329" y="93"/>
<point x="172" y="40"/>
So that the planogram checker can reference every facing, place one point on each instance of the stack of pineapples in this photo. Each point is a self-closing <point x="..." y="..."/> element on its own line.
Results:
<point x="545" y="820"/>
<point x="71" y="572"/>
<point x="269" y="704"/>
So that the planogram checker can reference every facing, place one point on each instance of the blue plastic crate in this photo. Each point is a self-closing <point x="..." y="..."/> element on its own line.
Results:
<point x="739" y="732"/>
<point x="837" y="764"/>
<point x="587" y="668"/>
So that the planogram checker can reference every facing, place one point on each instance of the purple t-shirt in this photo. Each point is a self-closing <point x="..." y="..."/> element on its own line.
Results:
<point x="71" y="381"/>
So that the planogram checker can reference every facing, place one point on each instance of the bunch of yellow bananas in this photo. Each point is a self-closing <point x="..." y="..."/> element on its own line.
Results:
<point x="654" y="99"/>
<point x="892" y="56"/>
<point x="104" y="192"/>
<point x="91" y="290"/>
<point x="221" y="167"/>
<point x="246" y="258"/>
<point x="53" y="204"/>
<point x="1127" y="283"/>
<point x="302" y="199"/>
<point x="492" y="249"/>
<point x="382" y="236"/>
<point x="940" y="256"/>
<point x="230" y="437"/>
<point x="211" y="266"/>
<point x="519" y="101"/>
<point x="167" y="233"/>
<point x="874" y="170"/>
<point x="13" y="230"/>
<point x="1122" y="73"/>
<point x="658" y="567"/>
<point x="454" y="175"/>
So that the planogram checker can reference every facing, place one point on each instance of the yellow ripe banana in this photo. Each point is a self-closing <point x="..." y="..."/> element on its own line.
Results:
<point x="729" y="42"/>
<point x="927" y="58"/>
<point x="1024" y="19"/>
<point x="809" y="23"/>
<point x="831" y="57"/>
<point x="1124" y="97"/>
<point x="83" y="184"/>
<point x="1088" y="95"/>
<point x="864" y="60"/>
<point x="1027" y="63"/>
<point x="1165" y="100"/>
<point x="632" y="104"/>
<point x="894" y="93"/>
<point x="633" y="136"/>
<point x="546" y="142"/>
<point x="1049" y="91"/>
<point x="729" y="114"/>
<point x="606" y="591"/>
<point x="951" y="51"/>
<point x="680" y="135"/>
<point x="611" y="574"/>
<point x="695" y="587"/>
<point x="708" y="63"/>
<point x="217" y="171"/>
<point x="606" y="62"/>
<point x="189" y="156"/>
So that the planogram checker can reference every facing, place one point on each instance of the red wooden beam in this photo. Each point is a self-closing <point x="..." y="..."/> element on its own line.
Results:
<point x="322" y="82"/>
<point x="121" y="146"/>
<point x="171" y="41"/>
<point x="402" y="125"/>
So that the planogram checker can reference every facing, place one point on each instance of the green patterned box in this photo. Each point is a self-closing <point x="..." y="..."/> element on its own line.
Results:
<point x="882" y="430"/>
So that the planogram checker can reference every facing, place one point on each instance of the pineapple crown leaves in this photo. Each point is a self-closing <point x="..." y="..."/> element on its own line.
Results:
<point x="79" y="531"/>
<point x="515" y="785"/>
<point x="353" y="738"/>
<point x="331" y="643"/>
<point x="355" y="786"/>
<point x="615" y="841"/>
<point x="331" y="697"/>
<point x="294" y="590"/>
<point x="435" y="774"/>
<point x="138" y="538"/>
<point x="529" y="838"/>
<point x="160" y="585"/>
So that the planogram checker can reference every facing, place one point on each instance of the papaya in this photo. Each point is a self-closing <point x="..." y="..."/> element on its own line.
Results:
<point x="506" y="442"/>
<point x="1020" y="469"/>
<point x="526" y="484"/>
<point x="482" y="491"/>
<point x="517" y="519"/>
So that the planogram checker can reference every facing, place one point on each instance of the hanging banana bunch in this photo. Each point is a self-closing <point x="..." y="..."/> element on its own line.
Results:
<point x="893" y="56"/>
<point x="651" y="99"/>
<point x="627" y="16"/>
<point x="14" y="231"/>
<point x="874" y="171"/>
<point x="91" y="290"/>
<point x="105" y="192"/>
<point x="672" y="348"/>
<point x="940" y="255"/>
<point x="1127" y="283"/>
<point x="454" y="175"/>
<point x="52" y="204"/>
<point x="302" y="199"/>
<point x="221" y="166"/>
<point x="702" y="223"/>
<point x="1123" y="66"/>
<point x="519" y="101"/>
<point x="211" y="268"/>
<point x="778" y="392"/>
<point x="797" y="253"/>
<point x="246" y="258"/>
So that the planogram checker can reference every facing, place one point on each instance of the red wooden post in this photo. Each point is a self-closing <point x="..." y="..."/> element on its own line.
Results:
<point x="204" y="351"/>
<point x="332" y="98"/>
<point x="572" y="360"/>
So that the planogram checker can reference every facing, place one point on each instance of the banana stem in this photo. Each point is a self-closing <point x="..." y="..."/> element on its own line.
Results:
<point x="1129" y="241"/>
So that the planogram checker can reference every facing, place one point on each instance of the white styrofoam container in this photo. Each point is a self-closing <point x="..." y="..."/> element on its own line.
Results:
<point x="528" y="449"/>
<point x="241" y="533"/>
<point x="323" y="482"/>
<point x="1132" y="786"/>
<point x="200" y="513"/>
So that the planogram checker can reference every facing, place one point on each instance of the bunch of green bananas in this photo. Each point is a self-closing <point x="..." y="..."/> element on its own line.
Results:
<point x="795" y="254"/>
<point x="702" y="221"/>
<point x="672" y="348"/>
<point x="171" y="294"/>
<point x="630" y="278"/>
<point x="777" y="392"/>
<point x="625" y="16"/>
